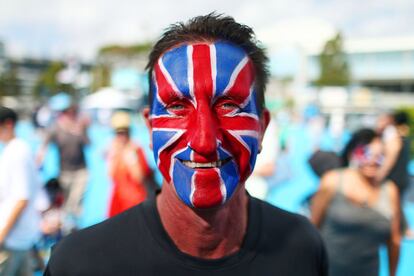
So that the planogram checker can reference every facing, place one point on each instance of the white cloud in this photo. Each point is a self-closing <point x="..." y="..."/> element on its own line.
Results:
<point x="55" y="28"/>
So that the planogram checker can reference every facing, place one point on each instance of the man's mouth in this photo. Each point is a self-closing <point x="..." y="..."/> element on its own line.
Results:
<point x="206" y="165"/>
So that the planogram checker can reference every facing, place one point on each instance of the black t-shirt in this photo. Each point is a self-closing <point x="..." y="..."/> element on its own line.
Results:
<point x="399" y="172"/>
<point x="135" y="243"/>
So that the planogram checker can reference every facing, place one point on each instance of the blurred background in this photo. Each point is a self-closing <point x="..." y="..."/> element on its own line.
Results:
<point x="335" y="67"/>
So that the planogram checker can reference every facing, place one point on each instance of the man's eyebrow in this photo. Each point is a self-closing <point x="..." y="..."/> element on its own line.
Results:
<point x="236" y="98"/>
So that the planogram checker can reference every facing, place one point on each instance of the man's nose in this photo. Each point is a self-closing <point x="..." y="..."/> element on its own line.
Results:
<point x="203" y="138"/>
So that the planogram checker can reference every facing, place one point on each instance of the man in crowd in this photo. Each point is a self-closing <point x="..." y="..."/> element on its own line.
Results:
<point x="207" y="120"/>
<point x="394" y="130"/>
<point x="69" y="134"/>
<point x="19" y="189"/>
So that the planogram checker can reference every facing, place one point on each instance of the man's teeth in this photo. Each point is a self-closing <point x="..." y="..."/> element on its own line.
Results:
<point x="194" y="165"/>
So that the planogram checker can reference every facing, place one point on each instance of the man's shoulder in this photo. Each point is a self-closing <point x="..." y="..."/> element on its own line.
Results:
<point x="286" y="236"/>
<point x="18" y="144"/>
<point x="18" y="150"/>
<point x="101" y="240"/>
<point x="278" y="223"/>
<point x="273" y="213"/>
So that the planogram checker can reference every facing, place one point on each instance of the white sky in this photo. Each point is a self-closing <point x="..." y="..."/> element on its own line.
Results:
<point x="62" y="28"/>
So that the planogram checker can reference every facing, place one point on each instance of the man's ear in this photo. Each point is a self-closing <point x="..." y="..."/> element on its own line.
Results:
<point x="146" y="114"/>
<point x="264" y="122"/>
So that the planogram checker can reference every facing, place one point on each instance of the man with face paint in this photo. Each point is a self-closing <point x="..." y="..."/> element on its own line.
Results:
<point x="206" y="118"/>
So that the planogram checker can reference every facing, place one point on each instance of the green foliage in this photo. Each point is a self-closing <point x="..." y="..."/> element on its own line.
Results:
<point x="101" y="76"/>
<point x="112" y="54"/>
<point x="333" y="64"/>
<point x="9" y="83"/>
<point x="47" y="83"/>
<point x="141" y="48"/>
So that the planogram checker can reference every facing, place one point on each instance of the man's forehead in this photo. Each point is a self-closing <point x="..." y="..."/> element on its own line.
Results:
<point x="232" y="50"/>
<point x="215" y="67"/>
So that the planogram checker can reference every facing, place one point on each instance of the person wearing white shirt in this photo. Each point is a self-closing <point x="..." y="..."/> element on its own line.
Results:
<point x="19" y="187"/>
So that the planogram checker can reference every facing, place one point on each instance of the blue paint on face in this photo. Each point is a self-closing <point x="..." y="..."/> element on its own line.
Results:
<point x="157" y="107"/>
<point x="253" y="145"/>
<point x="160" y="139"/>
<point x="185" y="175"/>
<point x="176" y="63"/>
<point x="184" y="155"/>
<point x="230" y="176"/>
<point x="228" y="57"/>
<point x="251" y="105"/>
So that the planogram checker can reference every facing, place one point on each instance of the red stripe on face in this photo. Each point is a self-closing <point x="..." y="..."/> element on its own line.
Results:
<point x="168" y="122"/>
<point x="240" y="153"/>
<point x="241" y="87"/>
<point x="207" y="191"/>
<point x="203" y="80"/>
<point x="165" y="90"/>
<point x="165" y="157"/>
<point x="240" y="122"/>
<point x="204" y="132"/>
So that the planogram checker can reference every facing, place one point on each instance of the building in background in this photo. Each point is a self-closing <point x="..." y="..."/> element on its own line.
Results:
<point x="383" y="64"/>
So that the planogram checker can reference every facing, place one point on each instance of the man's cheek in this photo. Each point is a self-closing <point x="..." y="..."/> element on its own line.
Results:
<point x="245" y="163"/>
<point x="244" y="150"/>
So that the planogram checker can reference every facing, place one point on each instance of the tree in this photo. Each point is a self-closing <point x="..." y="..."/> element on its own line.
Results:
<point x="110" y="55"/>
<point x="101" y="76"/>
<point x="334" y="70"/>
<point x="9" y="82"/>
<point x="47" y="83"/>
<point x="131" y="50"/>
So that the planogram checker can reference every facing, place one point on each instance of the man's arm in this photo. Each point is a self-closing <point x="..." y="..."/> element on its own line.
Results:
<point x="14" y="216"/>
<point x="393" y="147"/>
<point x="395" y="238"/>
<point x="322" y="198"/>
<point x="40" y="155"/>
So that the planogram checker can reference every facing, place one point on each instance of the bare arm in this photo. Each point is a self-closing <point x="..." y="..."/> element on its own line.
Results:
<point x="134" y="165"/>
<point x="395" y="238"/>
<point x="41" y="152"/>
<point x="84" y="123"/>
<point x="322" y="198"/>
<point x="392" y="149"/>
<point x="14" y="216"/>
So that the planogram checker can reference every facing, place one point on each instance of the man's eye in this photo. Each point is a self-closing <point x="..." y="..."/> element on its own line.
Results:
<point x="230" y="106"/>
<point x="175" y="107"/>
<point x="227" y="107"/>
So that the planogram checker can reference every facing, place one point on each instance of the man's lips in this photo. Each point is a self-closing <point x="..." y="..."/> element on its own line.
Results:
<point x="205" y="165"/>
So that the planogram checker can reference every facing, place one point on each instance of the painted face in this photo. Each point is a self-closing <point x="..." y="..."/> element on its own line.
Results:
<point x="367" y="155"/>
<point x="204" y="120"/>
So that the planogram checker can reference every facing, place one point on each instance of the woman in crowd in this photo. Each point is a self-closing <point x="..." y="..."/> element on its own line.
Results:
<point x="128" y="167"/>
<point x="355" y="213"/>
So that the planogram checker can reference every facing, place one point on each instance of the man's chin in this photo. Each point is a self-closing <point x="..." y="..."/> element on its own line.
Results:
<point x="207" y="201"/>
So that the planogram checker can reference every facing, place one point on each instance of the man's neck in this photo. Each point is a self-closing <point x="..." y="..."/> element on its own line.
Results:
<point x="208" y="234"/>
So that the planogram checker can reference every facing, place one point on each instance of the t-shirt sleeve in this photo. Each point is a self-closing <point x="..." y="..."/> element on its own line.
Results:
<point x="21" y="180"/>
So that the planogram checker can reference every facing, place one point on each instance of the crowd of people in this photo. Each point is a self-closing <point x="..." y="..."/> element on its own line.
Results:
<point x="36" y="215"/>
<point x="205" y="145"/>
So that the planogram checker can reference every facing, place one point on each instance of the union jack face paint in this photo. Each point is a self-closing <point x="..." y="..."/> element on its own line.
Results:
<point x="204" y="120"/>
<point x="363" y="155"/>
